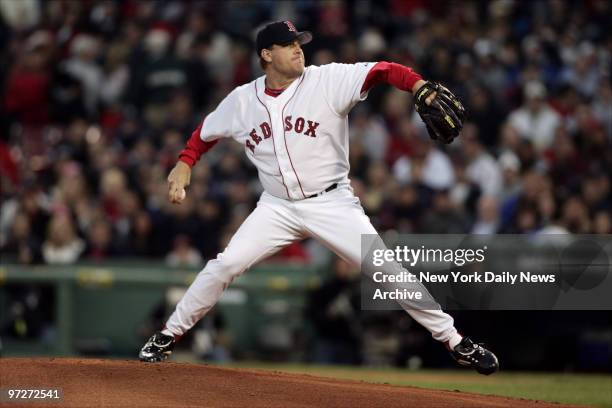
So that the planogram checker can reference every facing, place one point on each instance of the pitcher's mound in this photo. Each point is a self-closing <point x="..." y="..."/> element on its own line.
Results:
<point x="114" y="383"/>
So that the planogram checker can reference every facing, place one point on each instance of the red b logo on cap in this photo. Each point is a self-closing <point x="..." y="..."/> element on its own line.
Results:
<point x="290" y="26"/>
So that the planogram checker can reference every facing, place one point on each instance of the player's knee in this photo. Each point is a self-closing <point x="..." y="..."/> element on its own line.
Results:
<point x="227" y="268"/>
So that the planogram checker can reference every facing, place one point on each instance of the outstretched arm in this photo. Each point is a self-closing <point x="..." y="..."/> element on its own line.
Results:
<point x="217" y="125"/>
<point x="390" y="73"/>
<point x="440" y="110"/>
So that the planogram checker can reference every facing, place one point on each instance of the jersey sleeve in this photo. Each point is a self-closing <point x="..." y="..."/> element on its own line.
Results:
<point x="343" y="84"/>
<point x="220" y="123"/>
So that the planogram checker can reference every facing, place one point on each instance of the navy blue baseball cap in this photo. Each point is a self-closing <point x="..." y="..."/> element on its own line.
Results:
<point x="280" y="33"/>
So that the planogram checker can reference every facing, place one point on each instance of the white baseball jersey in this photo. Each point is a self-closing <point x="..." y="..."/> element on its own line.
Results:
<point x="298" y="140"/>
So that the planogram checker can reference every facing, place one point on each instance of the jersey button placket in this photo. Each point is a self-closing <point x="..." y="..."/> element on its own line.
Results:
<point x="279" y="143"/>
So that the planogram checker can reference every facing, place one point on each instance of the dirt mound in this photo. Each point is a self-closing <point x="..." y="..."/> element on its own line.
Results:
<point x="116" y="383"/>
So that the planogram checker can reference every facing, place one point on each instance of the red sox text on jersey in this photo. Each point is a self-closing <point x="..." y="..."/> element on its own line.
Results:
<point x="297" y="127"/>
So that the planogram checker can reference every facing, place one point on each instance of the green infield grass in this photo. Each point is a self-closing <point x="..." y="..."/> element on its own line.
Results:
<point x="582" y="389"/>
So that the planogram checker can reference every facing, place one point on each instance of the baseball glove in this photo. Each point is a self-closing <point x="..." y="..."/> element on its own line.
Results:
<point x="444" y="116"/>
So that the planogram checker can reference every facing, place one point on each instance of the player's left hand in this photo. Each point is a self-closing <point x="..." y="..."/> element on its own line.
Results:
<point x="440" y="110"/>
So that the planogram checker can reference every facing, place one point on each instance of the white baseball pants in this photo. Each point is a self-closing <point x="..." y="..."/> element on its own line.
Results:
<point x="336" y="219"/>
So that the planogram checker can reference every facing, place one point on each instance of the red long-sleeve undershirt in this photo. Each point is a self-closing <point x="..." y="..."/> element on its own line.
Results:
<point x="195" y="148"/>
<point x="393" y="74"/>
<point x="383" y="72"/>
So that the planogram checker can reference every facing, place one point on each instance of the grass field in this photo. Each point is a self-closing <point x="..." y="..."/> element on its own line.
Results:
<point x="582" y="389"/>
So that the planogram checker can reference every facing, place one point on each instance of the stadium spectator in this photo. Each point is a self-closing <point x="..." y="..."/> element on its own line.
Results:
<point x="62" y="246"/>
<point x="334" y="310"/>
<point x="183" y="254"/>
<point x="443" y="217"/>
<point x="427" y="165"/>
<point x="535" y="120"/>
<point x="141" y="239"/>
<point x="487" y="221"/>
<point x="82" y="66"/>
<point x="100" y="241"/>
<point x="21" y="244"/>
<point x="482" y="169"/>
<point x="510" y="166"/>
<point x="26" y="96"/>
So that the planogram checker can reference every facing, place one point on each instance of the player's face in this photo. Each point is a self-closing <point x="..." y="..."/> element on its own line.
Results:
<point x="288" y="59"/>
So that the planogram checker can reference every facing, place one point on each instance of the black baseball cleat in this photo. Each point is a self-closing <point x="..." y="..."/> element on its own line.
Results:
<point x="470" y="354"/>
<point x="157" y="348"/>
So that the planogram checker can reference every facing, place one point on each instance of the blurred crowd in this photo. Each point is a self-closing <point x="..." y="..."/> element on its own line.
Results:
<point x="98" y="98"/>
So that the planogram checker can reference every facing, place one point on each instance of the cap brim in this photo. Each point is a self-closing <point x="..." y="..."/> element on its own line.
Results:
<point x="304" y="37"/>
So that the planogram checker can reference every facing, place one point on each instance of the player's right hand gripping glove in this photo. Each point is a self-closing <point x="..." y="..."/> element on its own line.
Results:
<point x="444" y="116"/>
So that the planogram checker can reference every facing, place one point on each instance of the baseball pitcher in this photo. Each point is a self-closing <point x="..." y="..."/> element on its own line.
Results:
<point x="293" y="124"/>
